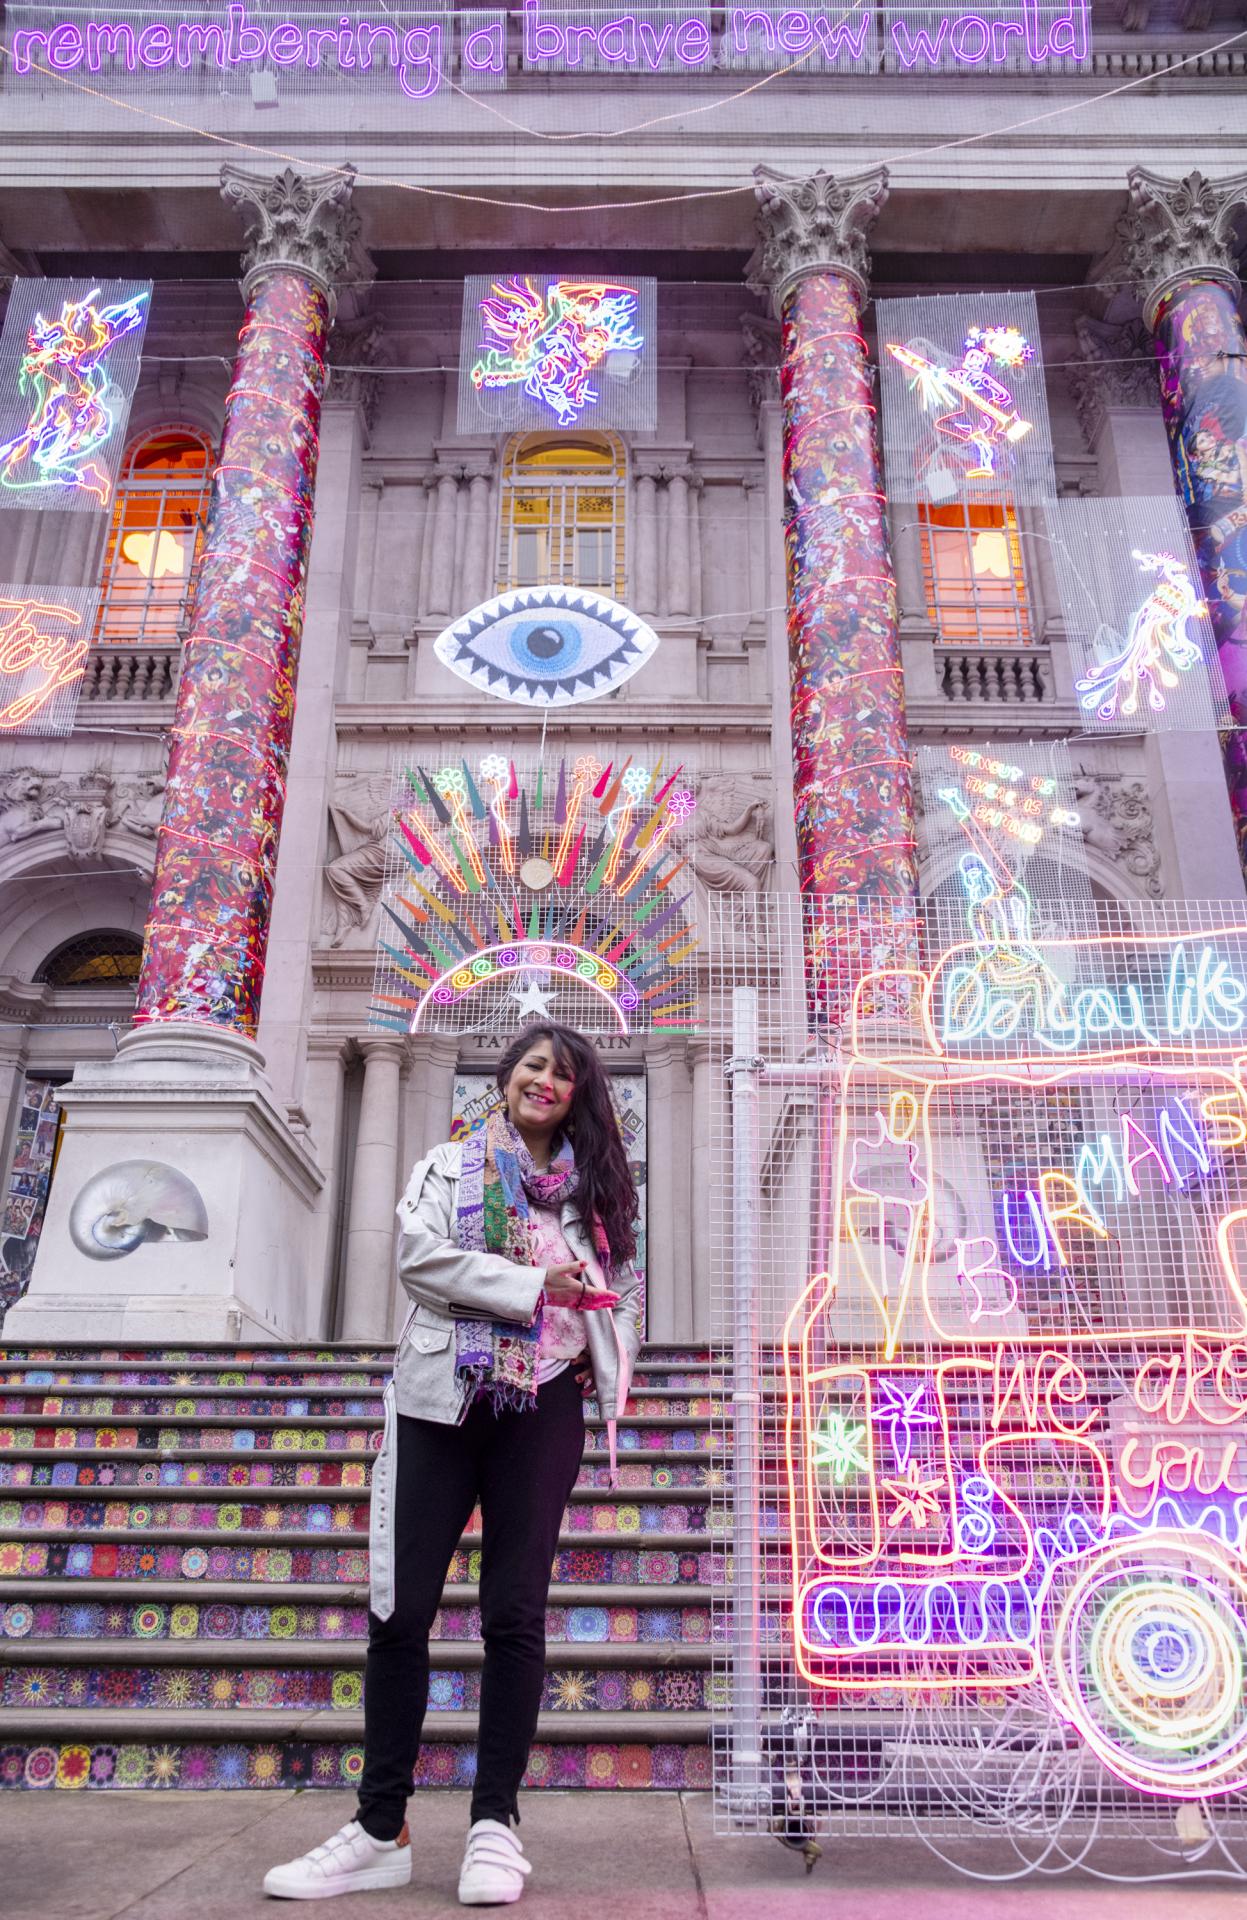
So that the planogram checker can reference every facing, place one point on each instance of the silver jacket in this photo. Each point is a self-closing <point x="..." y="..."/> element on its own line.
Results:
<point x="445" y="1282"/>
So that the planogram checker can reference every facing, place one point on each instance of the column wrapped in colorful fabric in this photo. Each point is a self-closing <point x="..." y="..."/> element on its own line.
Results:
<point x="207" y="932"/>
<point x="851" y="767"/>
<point x="851" y="762"/>
<point x="1180" y="241"/>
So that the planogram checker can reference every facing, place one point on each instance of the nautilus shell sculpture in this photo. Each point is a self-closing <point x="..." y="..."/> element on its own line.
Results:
<point x="132" y="1202"/>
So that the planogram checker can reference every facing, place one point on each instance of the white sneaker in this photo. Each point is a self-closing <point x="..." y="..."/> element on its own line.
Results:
<point x="492" y="1874"/>
<point x="351" y="1861"/>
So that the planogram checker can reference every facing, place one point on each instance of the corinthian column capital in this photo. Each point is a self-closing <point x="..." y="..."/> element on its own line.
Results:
<point x="303" y="222"/>
<point x="817" y="225"/>
<point x="1178" y="230"/>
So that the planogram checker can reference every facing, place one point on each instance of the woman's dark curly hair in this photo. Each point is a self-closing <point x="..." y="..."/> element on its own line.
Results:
<point x="606" y="1185"/>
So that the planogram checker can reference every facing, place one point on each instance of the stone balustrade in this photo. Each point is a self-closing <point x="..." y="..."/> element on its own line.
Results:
<point x="995" y="676"/>
<point x="131" y="673"/>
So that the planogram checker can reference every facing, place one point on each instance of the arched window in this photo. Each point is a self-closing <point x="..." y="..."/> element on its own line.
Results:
<point x="102" y="959"/>
<point x="562" y="521"/>
<point x="155" y="540"/>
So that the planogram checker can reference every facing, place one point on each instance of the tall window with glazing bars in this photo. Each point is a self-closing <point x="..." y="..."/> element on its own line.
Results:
<point x="155" y="540"/>
<point x="562" y="512"/>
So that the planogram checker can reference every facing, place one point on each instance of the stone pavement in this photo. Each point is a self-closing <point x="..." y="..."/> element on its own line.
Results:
<point x="654" y="1856"/>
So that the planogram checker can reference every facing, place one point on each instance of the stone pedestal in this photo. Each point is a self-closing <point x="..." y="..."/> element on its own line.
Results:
<point x="203" y="1234"/>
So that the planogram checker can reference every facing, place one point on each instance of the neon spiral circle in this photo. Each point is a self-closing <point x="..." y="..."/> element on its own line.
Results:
<point x="1146" y="1654"/>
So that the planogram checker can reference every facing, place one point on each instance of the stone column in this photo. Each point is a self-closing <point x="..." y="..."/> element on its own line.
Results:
<point x="374" y="1192"/>
<point x="645" y="546"/>
<point x="207" y="934"/>
<point x="476" y="568"/>
<point x="1179" y="237"/>
<point x="678" y="595"/>
<point x="854" y="808"/>
<point x="442" y="552"/>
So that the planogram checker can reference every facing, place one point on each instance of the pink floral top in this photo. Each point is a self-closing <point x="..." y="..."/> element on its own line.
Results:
<point x="563" y="1337"/>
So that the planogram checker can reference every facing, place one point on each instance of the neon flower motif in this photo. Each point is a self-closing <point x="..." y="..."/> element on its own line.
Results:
<point x="1156" y="649"/>
<point x="549" y="344"/>
<point x="73" y="414"/>
<point x="917" y="1500"/>
<point x="838" y="1448"/>
<point x="971" y="406"/>
<point x="900" y="1410"/>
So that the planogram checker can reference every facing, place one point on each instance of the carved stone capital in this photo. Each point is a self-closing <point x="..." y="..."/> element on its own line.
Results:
<point x="1118" y="370"/>
<point x="355" y="346"/>
<point x="1178" y="230"/>
<point x="818" y="225"/>
<point x="300" y="221"/>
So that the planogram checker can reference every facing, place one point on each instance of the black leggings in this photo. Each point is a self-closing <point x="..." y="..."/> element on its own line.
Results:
<point x="522" y="1468"/>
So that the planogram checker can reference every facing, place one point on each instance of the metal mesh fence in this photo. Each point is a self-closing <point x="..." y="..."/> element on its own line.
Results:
<point x="980" y="1255"/>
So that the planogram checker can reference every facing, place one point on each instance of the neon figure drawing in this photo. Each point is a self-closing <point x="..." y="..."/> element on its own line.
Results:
<point x="73" y="410"/>
<point x="972" y="408"/>
<point x="550" y="344"/>
<point x="1156" y="649"/>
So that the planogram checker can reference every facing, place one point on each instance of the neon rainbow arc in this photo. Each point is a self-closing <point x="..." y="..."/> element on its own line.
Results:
<point x="76" y="407"/>
<point x="549" y="344"/>
<point x="514" y="892"/>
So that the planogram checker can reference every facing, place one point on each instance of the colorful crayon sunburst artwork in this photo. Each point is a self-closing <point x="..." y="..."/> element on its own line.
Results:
<point x="519" y="891"/>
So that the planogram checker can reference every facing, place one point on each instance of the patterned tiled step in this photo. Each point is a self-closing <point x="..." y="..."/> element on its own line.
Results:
<point x="134" y="1467"/>
<point x="659" y="1561"/>
<point x="245" y="1676"/>
<point x="277" y="1434"/>
<point x="280" y="1514"/>
<point x="619" y="1752"/>
<point x="625" y="1616"/>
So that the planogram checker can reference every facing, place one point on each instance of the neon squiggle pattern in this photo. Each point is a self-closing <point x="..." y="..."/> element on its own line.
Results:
<point x="73" y="411"/>
<point x="549" y="344"/>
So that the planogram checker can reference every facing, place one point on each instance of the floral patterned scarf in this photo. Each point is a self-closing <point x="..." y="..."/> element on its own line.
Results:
<point x="497" y="1179"/>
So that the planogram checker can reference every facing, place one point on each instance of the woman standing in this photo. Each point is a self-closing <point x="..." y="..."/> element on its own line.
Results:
<point x="515" y="1248"/>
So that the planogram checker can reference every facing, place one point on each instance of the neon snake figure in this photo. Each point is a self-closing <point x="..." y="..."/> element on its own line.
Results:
<point x="549" y="344"/>
<point x="979" y="412"/>
<point x="71" y="418"/>
<point x="1156" y="649"/>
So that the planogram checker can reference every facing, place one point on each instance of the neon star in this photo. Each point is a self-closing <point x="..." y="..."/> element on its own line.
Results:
<point x="839" y="1448"/>
<point x="901" y="1410"/>
<point x="917" y="1500"/>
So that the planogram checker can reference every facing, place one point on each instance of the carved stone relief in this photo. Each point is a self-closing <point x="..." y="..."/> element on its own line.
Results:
<point x="80" y="808"/>
<point x="1117" y="822"/>
<point x="734" y="849"/>
<point x="359" y="816"/>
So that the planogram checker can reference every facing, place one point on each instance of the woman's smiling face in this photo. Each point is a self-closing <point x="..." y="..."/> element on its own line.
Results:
<point x="540" y="1091"/>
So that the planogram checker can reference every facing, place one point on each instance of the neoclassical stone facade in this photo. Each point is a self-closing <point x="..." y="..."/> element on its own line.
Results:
<point x="731" y="536"/>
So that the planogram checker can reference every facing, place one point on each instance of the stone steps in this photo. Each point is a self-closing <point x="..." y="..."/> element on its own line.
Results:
<point x="183" y="1569"/>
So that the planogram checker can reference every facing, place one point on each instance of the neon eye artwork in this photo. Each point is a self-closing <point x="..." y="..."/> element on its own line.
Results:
<point x="550" y="345"/>
<point x="560" y="889"/>
<point x="971" y="407"/>
<point x="73" y="393"/>
<point x="1156" y="649"/>
<point x="547" y="646"/>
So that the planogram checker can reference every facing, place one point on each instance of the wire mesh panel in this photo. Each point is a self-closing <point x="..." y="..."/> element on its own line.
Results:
<point x="1139" y="634"/>
<point x="546" y="350"/>
<point x="45" y="634"/>
<point x="69" y="363"/>
<point x="965" y="409"/>
<point x="982" y="1261"/>
<point x="554" y="888"/>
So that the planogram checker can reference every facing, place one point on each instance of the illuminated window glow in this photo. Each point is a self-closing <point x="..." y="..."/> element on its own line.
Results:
<point x="562" y="519"/>
<point x="155" y="541"/>
<point x="973" y="576"/>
